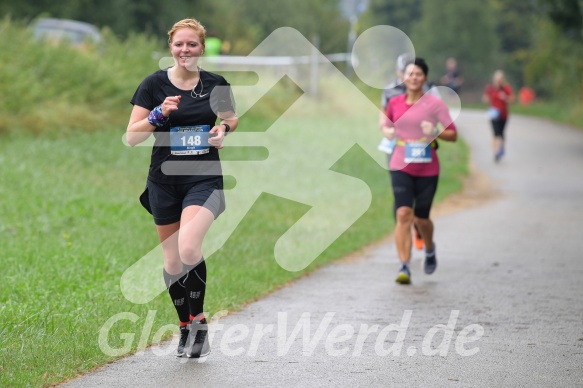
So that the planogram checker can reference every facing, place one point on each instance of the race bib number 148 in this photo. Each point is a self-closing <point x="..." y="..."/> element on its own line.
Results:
<point x="191" y="140"/>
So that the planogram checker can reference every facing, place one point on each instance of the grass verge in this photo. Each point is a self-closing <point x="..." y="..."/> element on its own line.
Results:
<point x="71" y="225"/>
<point x="570" y="113"/>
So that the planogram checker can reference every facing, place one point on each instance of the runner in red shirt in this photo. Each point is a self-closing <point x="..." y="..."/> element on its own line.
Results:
<point x="498" y="95"/>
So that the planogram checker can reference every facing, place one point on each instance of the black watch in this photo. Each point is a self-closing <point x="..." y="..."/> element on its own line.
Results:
<point x="227" y="127"/>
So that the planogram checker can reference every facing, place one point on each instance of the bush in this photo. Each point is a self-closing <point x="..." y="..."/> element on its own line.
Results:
<point x="57" y="88"/>
<point x="555" y="68"/>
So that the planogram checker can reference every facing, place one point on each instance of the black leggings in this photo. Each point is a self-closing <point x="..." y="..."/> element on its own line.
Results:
<point x="416" y="192"/>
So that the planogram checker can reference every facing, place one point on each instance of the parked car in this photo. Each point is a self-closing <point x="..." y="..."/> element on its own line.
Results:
<point x="77" y="33"/>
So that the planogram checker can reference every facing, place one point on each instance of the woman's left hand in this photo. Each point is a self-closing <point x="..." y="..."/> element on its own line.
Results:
<point x="427" y="127"/>
<point x="217" y="135"/>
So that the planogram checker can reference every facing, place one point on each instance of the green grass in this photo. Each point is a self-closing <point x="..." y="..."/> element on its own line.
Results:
<point x="71" y="221"/>
<point x="72" y="225"/>
<point x="568" y="112"/>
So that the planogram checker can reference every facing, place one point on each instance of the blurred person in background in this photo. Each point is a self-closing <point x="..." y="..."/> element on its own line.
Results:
<point x="498" y="95"/>
<point x="453" y="75"/>
<point x="213" y="45"/>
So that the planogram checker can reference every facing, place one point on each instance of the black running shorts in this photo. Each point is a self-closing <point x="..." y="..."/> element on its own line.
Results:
<point x="166" y="201"/>
<point x="498" y="128"/>
<point x="416" y="192"/>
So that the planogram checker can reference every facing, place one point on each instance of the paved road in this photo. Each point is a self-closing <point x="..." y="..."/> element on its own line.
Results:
<point x="508" y="286"/>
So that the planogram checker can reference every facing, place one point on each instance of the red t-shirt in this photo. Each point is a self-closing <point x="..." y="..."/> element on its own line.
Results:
<point x="407" y="122"/>
<point x="495" y="97"/>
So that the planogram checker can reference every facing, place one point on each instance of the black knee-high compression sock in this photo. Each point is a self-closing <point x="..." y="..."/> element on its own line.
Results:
<point x="174" y="284"/>
<point x="195" y="285"/>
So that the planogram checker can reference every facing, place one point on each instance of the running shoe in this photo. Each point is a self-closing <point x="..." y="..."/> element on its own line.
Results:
<point x="430" y="263"/>
<point x="182" y="341"/>
<point x="417" y="239"/>
<point x="200" y="347"/>
<point x="404" y="276"/>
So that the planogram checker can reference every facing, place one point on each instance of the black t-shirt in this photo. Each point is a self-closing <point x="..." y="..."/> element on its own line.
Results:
<point x="191" y="111"/>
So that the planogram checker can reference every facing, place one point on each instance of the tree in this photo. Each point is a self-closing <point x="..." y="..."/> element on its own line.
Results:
<point x="516" y="22"/>
<point x="121" y="16"/>
<point x="320" y="17"/>
<point x="567" y="15"/>
<point x="554" y="65"/>
<point x="243" y="23"/>
<point x="465" y="30"/>
<point x="401" y="14"/>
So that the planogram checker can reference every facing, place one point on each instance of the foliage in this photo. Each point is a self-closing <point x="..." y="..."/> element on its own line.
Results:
<point x="243" y="24"/>
<point x="62" y="87"/>
<point x="310" y="17"/>
<point x="122" y="16"/>
<point x="555" y="68"/>
<point x="397" y="13"/>
<point x="464" y="30"/>
<point x="515" y="26"/>
<point x="536" y="42"/>
<point x="567" y="15"/>
<point x="482" y="35"/>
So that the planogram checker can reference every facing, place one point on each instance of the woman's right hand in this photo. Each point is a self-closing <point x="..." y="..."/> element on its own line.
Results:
<point x="170" y="104"/>
<point x="389" y="132"/>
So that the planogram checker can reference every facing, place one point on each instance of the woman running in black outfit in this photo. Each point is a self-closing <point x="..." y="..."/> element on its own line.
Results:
<point x="180" y="106"/>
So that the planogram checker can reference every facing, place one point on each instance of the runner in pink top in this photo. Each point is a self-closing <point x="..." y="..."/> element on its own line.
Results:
<point x="414" y="119"/>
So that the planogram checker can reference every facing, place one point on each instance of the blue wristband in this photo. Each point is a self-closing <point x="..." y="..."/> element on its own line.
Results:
<point x="156" y="118"/>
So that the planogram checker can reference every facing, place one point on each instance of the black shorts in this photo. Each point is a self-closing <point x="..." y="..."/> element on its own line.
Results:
<point x="166" y="201"/>
<point x="498" y="127"/>
<point x="416" y="192"/>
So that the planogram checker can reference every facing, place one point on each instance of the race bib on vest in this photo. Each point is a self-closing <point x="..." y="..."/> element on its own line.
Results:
<point x="417" y="152"/>
<point x="493" y="113"/>
<point x="191" y="140"/>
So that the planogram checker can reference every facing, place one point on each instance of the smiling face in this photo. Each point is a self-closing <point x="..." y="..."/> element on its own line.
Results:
<point x="186" y="48"/>
<point x="414" y="78"/>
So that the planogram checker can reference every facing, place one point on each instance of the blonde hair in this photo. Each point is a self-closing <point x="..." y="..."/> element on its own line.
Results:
<point x="188" y="23"/>
<point x="499" y="75"/>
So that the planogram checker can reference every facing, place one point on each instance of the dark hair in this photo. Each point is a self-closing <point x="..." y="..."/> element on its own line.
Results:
<point x="420" y="63"/>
